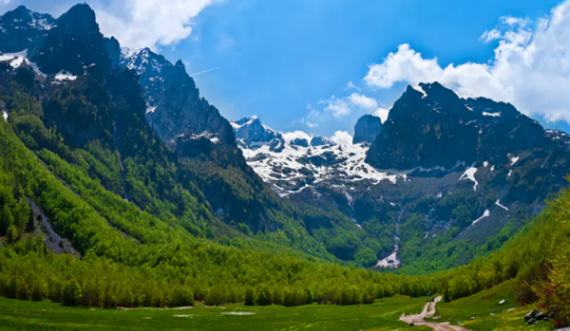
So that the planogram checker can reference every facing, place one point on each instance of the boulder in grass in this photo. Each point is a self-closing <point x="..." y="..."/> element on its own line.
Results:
<point x="540" y="316"/>
<point x="530" y="316"/>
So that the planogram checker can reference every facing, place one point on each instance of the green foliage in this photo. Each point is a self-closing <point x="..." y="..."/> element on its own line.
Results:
<point x="365" y="257"/>
<point x="131" y="257"/>
<point x="250" y="297"/>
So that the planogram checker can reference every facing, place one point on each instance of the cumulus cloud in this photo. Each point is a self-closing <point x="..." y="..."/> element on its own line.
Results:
<point x="290" y="136"/>
<point x="135" y="23"/>
<point x="142" y="23"/>
<point x="340" y="107"/>
<point x="342" y="138"/>
<point x="382" y="113"/>
<point x="530" y="68"/>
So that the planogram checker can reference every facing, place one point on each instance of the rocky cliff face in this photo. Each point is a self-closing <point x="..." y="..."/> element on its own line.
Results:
<point x="366" y="129"/>
<point x="174" y="103"/>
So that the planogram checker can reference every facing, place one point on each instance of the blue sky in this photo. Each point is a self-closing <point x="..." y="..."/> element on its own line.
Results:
<point x="280" y="56"/>
<point x="284" y="60"/>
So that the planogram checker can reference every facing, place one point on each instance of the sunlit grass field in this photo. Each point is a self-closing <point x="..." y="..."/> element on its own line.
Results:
<point x="382" y="315"/>
<point x="489" y="314"/>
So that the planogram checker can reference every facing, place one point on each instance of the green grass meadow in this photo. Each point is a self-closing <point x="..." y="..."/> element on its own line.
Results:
<point x="382" y="315"/>
<point x="488" y="312"/>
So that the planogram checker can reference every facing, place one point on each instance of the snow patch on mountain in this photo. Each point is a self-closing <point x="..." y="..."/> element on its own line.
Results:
<point x="64" y="75"/>
<point x="17" y="59"/>
<point x="491" y="114"/>
<point x="470" y="175"/>
<point x="498" y="203"/>
<point x="391" y="261"/>
<point x="421" y="90"/>
<point x="291" y="136"/>
<point x="486" y="214"/>
<point x="292" y="165"/>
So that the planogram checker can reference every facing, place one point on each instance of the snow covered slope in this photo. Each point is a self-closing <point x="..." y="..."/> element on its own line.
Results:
<point x="292" y="168"/>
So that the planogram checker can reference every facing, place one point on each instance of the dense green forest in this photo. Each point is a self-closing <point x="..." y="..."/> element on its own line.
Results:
<point x="116" y="148"/>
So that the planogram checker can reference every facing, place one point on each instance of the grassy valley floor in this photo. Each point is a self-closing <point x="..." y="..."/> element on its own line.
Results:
<point x="487" y="311"/>
<point x="382" y="315"/>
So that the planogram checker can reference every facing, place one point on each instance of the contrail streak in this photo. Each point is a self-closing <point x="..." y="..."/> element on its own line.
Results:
<point x="205" y="71"/>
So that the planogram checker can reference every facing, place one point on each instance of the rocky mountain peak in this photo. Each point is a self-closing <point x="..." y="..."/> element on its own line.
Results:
<point x="321" y="141"/>
<point x="430" y="126"/>
<point x="79" y="19"/>
<point x="22" y="29"/>
<point x="23" y="18"/>
<point x="251" y="132"/>
<point x="301" y="142"/>
<point x="152" y="69"/>
<point x="366" y="129"/>
<point x="174" y="103"/>
<point x="74" y="44"/>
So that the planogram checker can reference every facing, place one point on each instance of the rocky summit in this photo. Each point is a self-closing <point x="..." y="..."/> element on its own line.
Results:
<point x="366" y="129"/>
<point x="22" y="29"/>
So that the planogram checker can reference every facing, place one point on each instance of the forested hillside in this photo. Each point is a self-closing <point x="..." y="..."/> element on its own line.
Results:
<point x="98" y="210"/>
<point x="132" y="258"/>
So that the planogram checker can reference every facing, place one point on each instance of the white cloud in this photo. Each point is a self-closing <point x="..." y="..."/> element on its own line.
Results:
<point x="351" y="86"/>
<point x="514" y="21"/>
<point x="340" y="107"/>
<point x="290" y="136"/>
<point x="405" y="65"/>
<point x="363" y="102"/>
<point x="141" y="23"/>
<point x="382" y="113"/>
<point x="342" y="138"/>
<point x="530" y="68"/>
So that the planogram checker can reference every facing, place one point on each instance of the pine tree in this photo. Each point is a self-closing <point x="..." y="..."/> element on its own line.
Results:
<point x="6" y="219"/>
<point x="12" y="234"/>
<point x="250" y="297"/>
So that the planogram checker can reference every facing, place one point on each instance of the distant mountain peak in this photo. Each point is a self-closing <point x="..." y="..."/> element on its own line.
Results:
<point x="431" y="126"/>
<point x="22" y="29"/>
<point x="80" y="17"/>
<point x="366" y="129"/>
<point x="251" y="132"/>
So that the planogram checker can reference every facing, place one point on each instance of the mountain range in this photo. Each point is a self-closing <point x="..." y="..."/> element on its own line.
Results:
<point x="443" y="180"/>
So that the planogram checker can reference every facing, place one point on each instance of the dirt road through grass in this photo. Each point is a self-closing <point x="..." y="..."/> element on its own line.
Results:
<point x="429" y="311"/>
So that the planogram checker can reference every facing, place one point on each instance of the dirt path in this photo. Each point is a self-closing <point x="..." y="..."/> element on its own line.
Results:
<point x="429" y="311"/>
